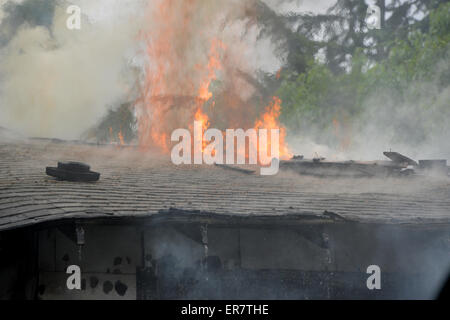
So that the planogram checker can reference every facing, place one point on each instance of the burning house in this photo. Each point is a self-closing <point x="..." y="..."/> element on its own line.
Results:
<point x="148" y="229"/>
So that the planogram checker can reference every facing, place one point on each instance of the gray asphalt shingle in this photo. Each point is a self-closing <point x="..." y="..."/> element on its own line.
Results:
<point x="136" y="183"/>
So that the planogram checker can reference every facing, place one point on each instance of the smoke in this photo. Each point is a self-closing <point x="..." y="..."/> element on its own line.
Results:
<point x="417" y="127"/>
<point x="56" y="82"/>
<point x="414" y="124"/>
<point x="17" y="12"/>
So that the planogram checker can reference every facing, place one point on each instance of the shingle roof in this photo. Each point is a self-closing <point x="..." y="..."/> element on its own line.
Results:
<point x="135" y="183"/>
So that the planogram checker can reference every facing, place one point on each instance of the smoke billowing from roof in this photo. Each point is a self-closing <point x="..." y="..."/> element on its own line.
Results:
<point x="56" y="82"/>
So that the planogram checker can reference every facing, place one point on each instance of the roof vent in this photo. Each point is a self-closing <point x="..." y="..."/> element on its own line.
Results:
<point x="73" y="171"/>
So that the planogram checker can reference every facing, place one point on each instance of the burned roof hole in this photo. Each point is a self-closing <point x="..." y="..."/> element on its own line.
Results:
<point x="41" y="289"/>
<point x="107" y="287"/>
<point x="93" y="282"/>
<point x="121" y="288"/>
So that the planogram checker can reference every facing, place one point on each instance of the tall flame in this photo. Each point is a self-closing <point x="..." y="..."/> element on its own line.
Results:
<point x="178" y="78"/>
<point x="213" y="66"/>
<point x="204" y="93"/>
<point x="270" y="120"/>
<point x="184" y="60"/>
<point x="121" y="139"/>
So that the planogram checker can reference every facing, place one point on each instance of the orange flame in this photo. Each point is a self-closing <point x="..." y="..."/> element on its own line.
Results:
<point x="204" y="119"/>
<point x="278" y="75"/>
<point x="204" y="93"/>
<point x="120" y="136"/>
<point x="269" y="120"/>
<point x="213" y="65"/>
<point x="167" y="73"/>
<point x="119" y="140"/>
<point x="173" y="74"/>
<point x="176" y="86"/>
<point x="111" y="136"/>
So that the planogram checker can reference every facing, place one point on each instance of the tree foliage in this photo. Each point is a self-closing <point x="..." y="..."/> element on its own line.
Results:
<point x="413" y="74"/>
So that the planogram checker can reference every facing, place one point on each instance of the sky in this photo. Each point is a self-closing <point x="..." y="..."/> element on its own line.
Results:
<point x="313" y="6"/>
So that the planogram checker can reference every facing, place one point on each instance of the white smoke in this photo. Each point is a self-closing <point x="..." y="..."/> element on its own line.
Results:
<point x="56" y="82"/>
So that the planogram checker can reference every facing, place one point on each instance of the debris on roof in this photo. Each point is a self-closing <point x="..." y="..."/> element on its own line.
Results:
<point x="399" y="166"/>
<point x="73" y="171"/>
<point x="399" y="158"/>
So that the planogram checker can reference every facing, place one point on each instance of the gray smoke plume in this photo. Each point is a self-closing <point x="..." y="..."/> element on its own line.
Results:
<point x="56" y="82"/>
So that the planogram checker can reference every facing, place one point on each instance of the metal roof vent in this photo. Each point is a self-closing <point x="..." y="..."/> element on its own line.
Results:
<point x="73" y="171"/>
